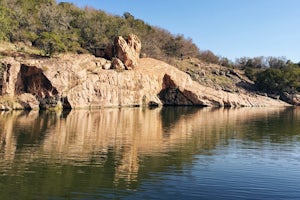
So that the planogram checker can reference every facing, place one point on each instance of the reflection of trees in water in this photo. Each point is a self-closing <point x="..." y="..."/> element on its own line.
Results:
<point x="280" y="127"/>
<point x="121" y="146"/>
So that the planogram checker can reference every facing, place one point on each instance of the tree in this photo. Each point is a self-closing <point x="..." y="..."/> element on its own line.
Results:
<point x="209" y="57"/>
<point x="128" y="16"/>
<point x="50" y="43"/>
<point x="277" y="62"/>
<point x="6" y="23"/>
<point x="225" y="62"/>
<point x="256" y="62"/>
<point x="274" y="80"/>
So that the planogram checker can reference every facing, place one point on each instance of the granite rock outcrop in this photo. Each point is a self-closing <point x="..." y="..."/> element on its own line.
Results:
<point x="128" y="51"/>
<point x="80" y="81"/>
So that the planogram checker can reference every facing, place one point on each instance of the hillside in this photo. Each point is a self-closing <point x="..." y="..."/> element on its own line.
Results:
<point x="216" y="76"/>
<point x="56" y="28"/>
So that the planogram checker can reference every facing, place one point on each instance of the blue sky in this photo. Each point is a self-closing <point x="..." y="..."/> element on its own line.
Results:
<point x="229" y="28"/>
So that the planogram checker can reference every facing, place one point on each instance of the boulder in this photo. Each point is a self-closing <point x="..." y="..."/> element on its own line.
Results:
<point x="128" y="51"/>
<point x="28" y="101"/>
<point x="135" y="45"/>
<point x="291" y="98"/>
<point x="106" y="66"/>
<point x="10" y="103"/>
<point x="10" y="76"/>
<point x="117" y="64"/>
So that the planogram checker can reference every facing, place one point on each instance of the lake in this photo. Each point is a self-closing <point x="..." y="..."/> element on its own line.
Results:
<point x="140" y="153"/>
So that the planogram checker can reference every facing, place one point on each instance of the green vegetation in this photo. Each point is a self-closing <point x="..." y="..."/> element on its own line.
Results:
<point x="63" y="27"/>
<point x="277" y="81"/>
<point x="272" y="75"/>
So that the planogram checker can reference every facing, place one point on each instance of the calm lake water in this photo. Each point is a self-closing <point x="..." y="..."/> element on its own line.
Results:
<point x="165" y="153"/>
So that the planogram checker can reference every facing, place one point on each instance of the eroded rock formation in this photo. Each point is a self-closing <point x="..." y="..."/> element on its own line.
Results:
<point x="79" y="81"/>
<point x="10" y="76"/>
<point x="117" y="64"/>
<point x="128" y="51"/>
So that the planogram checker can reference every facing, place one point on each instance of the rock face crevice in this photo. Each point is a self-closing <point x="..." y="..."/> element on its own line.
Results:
<point x="170" y="94"/>
<point x="33" y="81"/>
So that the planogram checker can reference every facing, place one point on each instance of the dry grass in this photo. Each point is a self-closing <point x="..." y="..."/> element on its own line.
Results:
<point x="211" y="75"/>
<point x="18" y="50"/>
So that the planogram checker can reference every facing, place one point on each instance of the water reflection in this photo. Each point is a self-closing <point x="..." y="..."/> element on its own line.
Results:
<point x="130" y="131"/>
<point x="119" y="147"/>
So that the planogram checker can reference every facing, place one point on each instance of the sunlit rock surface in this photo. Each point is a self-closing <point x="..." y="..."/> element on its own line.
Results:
<point x="80" y="81"/>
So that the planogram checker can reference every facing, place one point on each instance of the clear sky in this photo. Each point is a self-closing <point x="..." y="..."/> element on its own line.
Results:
<point x="229" y="28"/>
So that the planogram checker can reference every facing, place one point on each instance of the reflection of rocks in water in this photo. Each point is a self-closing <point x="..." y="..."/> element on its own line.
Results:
<point x="23" y="130"/>
<point x="123" y="131"/>
<point x="8" y="126"/>
<point x="120" y="138"/>
<point x="171" y="115"/>
<point x="7" y="141"/>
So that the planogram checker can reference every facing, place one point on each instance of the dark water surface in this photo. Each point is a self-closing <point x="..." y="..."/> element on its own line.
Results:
<point x="135" y="153"/>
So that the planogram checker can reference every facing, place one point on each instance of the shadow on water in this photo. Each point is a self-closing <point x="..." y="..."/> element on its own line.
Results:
<point x="109" y="152"/>
<point x="171" y="115"/>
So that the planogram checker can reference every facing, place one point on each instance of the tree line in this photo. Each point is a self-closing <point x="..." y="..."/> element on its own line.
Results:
<point x="63" y="27"/>
<point x="273" y="75"/>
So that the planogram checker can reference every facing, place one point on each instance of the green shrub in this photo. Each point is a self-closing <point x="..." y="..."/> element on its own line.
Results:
<point x="50" y="43"/>
<point x="277" y="81"/>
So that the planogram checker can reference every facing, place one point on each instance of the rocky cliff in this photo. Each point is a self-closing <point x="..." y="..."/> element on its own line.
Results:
<point x="79" y="81"/>
<point x="86" y="81"/>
